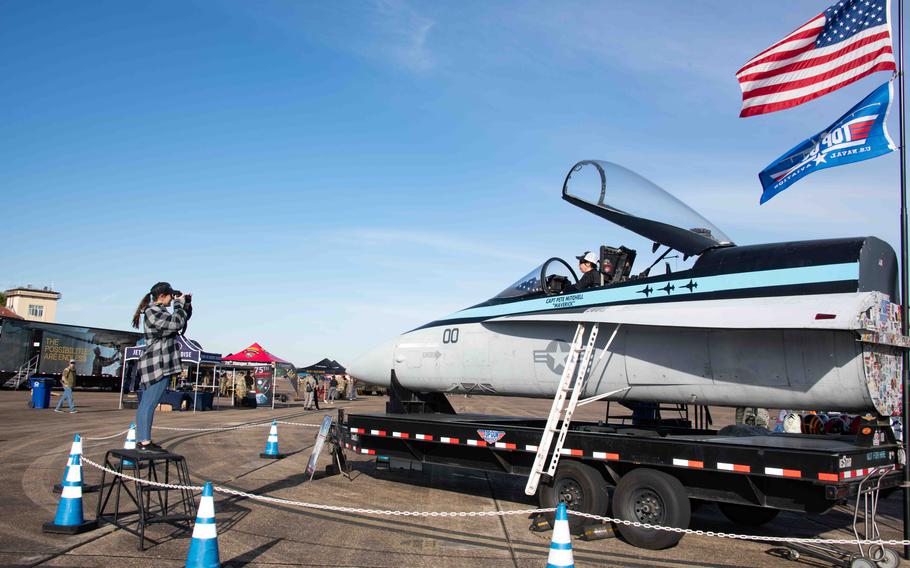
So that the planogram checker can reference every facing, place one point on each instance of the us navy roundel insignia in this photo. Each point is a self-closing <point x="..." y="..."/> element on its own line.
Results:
<point x="491" y="436"/>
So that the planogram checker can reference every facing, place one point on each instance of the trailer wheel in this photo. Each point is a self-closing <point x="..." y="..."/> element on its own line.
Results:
<point x="653" y="497"/>
<point x="580" y="487"/>
<point x="748" y="515"/>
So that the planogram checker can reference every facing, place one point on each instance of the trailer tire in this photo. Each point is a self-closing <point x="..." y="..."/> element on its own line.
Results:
<point x="654" y="497"/>
<point x="749" y="515"/>
<point x="581" y="487"/>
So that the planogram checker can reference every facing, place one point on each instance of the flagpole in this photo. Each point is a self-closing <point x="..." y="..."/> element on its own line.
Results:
<point x="905" y="284"/>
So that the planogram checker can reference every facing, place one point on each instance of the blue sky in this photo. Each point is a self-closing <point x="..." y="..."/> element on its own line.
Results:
<point x="325" y="175"/>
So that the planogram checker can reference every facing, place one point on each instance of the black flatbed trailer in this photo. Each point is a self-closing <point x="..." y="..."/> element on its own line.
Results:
<point x="653" y="471"/>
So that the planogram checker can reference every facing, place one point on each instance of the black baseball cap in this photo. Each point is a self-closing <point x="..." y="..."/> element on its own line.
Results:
<point x="163" y="288"/>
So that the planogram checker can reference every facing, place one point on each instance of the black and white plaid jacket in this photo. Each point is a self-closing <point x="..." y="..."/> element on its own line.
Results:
<point x="161" y="357"/>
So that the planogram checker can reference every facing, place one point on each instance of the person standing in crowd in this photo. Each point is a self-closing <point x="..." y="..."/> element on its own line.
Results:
<point x="333" y="389"/>
<point x="240" y="389"/>
<point x="161" y="358"/>
<point x="352" y="388"/>
<point x="309" y="392"/>
<point x="68" y="378"/>
<point x="320" y="391"/>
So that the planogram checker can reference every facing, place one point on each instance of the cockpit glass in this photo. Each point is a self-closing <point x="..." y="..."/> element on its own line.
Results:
<point x="526" y="285"/>
<point x="612" y="187"/>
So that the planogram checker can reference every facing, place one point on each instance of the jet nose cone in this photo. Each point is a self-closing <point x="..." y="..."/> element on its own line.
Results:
<point x="375" y="366"/>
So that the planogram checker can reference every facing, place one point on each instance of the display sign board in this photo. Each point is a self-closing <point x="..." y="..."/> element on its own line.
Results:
<point x="317" y="447"/>
<point x="262" y="381"/>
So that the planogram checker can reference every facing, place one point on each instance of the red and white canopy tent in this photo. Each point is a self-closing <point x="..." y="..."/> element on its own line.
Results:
<point x="256" y="356"/>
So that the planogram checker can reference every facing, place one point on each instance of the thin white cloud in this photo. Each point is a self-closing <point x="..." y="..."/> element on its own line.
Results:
<point x="388" y="32"/>
<point x="403" y="34"/>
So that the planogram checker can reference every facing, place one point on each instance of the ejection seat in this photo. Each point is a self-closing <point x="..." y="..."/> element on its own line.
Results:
<point x="621" y="258"/>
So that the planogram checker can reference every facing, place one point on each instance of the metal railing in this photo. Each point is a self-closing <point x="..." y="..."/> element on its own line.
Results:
<point x="22" y="375"/>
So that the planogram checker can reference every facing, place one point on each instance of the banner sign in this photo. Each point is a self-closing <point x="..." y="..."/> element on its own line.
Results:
<point x="262" y="381"/>
<point x="189" y="352"/>
<point x="317" y="447"/>
<point x="858" y="135"/>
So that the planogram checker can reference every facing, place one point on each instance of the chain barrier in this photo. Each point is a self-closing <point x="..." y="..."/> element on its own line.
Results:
<point x="299" y="424"/>
<point x="213" y="429"/>
<point x="752" y="537"/>
<point x="308" y="505"/>
<point x="444" y="514"/>
<point x="227" y="428"/>
<point x="106" y="437"/>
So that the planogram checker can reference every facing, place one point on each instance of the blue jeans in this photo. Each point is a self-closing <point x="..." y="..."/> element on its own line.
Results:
<point x="68" y="397"/>
<point x="151" y="396"/>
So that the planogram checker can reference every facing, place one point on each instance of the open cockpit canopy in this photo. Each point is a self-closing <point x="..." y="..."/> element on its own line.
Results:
<point x="629" y="200"/>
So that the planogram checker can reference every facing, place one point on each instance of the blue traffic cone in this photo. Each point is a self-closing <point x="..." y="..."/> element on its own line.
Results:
<point x="203" y="551"/>
<point x="561" y="545"/>
<point x="76" y="448"/>
<point x="271" y="444"/>
<point x="130" y="444"/>
<point x="69" y="519"/>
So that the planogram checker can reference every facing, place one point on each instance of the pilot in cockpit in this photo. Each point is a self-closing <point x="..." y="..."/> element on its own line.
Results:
<point x="590" y="277"/>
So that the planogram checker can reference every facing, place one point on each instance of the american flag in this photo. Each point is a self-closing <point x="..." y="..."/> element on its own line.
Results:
<point x="843" y="44"/>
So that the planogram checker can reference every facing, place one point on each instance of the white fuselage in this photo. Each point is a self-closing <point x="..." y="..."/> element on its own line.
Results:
<point x="813" y="369"/>
<point x="799" y="362"/>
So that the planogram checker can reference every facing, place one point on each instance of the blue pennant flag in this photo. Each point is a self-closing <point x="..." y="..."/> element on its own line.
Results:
<point x="858" y="135"/>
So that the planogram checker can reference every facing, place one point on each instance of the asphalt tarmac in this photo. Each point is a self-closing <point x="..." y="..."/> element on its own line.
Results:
<point x="33" y="451"/>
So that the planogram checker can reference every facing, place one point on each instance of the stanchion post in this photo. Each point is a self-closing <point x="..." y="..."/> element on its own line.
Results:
<point x="122" y="377"/>
<point x="905" y="428"/>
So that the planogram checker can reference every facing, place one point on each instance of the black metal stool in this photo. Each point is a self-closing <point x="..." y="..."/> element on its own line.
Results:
<point x="153" y="503"/>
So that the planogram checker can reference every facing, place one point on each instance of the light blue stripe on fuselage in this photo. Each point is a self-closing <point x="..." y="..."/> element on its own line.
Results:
<point x="705" y="284"/>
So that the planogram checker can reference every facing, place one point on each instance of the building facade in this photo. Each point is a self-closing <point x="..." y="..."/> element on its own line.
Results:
<point x="33" y="304"/>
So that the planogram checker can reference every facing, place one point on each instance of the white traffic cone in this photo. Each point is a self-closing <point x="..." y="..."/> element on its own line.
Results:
<point x="69" y="518"/>
<point x="203" y="551"/>
<point x="561" y="545"/>
<point x="271" y="444"/>
<point x="130" y="444"/>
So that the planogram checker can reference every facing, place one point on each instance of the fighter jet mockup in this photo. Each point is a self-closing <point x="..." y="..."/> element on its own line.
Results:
<point x="800" y="325"/>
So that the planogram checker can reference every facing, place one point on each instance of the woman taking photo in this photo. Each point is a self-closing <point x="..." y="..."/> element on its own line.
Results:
<point x="161" y="358"/>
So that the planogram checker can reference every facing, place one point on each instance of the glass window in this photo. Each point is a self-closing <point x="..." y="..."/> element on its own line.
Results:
<point x="631" y="201"/>
<point x="526" y="285"/>
<point x="35" y="311"/>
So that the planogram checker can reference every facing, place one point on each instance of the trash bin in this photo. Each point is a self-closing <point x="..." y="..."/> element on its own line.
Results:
<point x="41" y="392"/>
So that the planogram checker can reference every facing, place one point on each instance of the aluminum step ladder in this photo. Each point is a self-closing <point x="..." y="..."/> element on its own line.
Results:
<point x="570" y="386"/>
